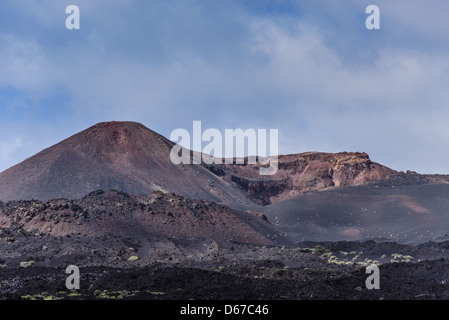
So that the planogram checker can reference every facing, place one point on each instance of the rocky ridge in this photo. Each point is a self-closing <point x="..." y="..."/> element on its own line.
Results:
<point x="159" y="214"/>
<point x="305" y="172"/>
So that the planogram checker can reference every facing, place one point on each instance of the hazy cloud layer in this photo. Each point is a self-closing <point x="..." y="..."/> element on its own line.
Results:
<point x="308" y="68"/>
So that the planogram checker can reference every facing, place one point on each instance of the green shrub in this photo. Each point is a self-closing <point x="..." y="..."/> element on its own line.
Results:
<point x="321" y="249"/>
<point x="26" y="264"/>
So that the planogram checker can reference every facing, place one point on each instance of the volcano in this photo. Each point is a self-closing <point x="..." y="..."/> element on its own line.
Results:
<point x="312" y="196"/>
<point x="129" y="157"/>
<point x="110" y="197"/>
<point x="124" y="156"/>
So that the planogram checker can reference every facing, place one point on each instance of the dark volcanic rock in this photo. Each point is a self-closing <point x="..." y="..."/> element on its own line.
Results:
<point x="262" y="191"/>
<point x="116" y="212"/>
<point x="185" y="269"/>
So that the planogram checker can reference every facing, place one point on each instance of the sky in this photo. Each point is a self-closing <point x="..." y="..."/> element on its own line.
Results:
<point x="309" y="68"/>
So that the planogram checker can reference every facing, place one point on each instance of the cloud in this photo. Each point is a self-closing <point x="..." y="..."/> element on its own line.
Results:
<point x="20" y="63"/>
<point x="8" y="148"/>
<point x="393" y="106"/>
<point x="311" y="70"/>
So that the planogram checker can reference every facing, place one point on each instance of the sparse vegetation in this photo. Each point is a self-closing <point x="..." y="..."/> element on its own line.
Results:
<point x="42" y="296"/>
<point x="121" y="294"/>
<point x="278" y="272"/>
<point x="321" y="249"/>
<point x="397" y="257"/>
<point x="26" y="264"/>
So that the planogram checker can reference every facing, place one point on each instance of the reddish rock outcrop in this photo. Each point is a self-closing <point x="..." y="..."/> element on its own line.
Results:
<point x="305" y="172"/>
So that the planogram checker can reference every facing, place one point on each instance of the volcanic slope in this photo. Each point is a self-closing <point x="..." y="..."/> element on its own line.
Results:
<point x="123" y="156"/>
<point x="408" y="208"/>
<point x="129" y="157"/>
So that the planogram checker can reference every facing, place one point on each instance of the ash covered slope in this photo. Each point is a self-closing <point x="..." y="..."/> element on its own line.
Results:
<point x="408" y="208"/>
<point x="123" y="156"/>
